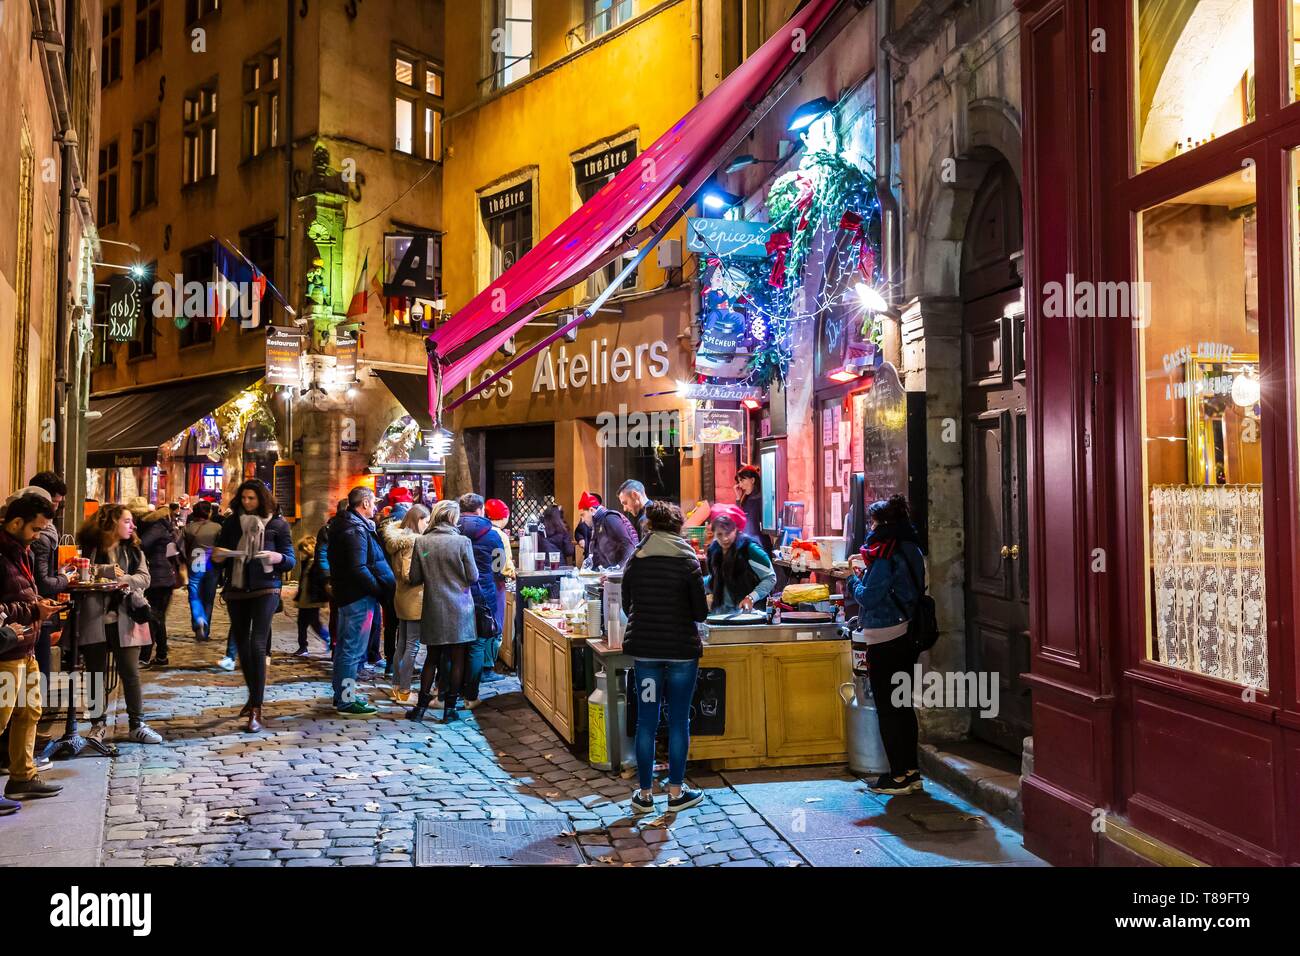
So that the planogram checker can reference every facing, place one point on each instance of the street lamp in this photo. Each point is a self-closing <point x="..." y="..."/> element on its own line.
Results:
<point x="809" y="113"/>
<point x="716" y="198"/>
<point x="745" y="161"/>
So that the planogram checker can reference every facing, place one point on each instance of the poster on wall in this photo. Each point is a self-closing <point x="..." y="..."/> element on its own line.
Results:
<point x="725" y="341"/>
<point x="719" y="426"/>
<point x="284" y="356"/>
<point x="345" y="352"/>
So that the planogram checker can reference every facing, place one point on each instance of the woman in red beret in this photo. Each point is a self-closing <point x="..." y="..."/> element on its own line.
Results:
<point x="741" y="575"/>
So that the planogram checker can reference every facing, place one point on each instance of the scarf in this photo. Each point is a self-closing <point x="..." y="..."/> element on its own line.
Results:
<point x="883" y="541"/>
<point x="252" y="531"/>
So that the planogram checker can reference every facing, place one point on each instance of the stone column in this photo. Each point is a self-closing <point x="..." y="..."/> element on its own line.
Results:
<point x="931" y="329"/>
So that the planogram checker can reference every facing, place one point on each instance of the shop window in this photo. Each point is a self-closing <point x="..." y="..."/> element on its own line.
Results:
<point x="200" y="132"/>
<point x="110" y="48"/>
<point x="148" y="28"/>
<point x="592" y="173"/>
<point x="1195" y="74"/>
<point x="417" y="106"/>
<point x="106" y="213"/>
<point x="261" y="103"/>
<point x="1197" y="310"/>
<point x="510" y="43"/>
<point x="144" y="165"/>
<point x="508" y="219"/>
<point x="605" y="15"/>
<point x="258" y="244"/>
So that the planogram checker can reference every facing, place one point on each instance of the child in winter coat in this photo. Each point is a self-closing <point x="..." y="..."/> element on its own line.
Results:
<point x="311" y="596"/>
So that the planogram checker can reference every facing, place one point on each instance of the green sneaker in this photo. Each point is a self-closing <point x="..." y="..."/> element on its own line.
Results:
<point x="358" y="708"/>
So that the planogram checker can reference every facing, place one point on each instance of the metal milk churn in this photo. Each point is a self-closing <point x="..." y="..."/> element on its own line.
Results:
<point x="861" y="722"/>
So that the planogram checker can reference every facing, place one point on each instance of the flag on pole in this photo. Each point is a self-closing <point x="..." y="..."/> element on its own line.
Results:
<point x="360" y="303"/>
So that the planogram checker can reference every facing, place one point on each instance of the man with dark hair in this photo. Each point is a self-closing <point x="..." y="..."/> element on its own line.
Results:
<point x="632" y="496"/>
<point x="362" y="581"/>
<point x="25" y="611"/>
<point x="50" y="583"/>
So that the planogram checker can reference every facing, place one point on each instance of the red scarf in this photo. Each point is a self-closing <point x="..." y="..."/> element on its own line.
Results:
<point x="880" y="549"/>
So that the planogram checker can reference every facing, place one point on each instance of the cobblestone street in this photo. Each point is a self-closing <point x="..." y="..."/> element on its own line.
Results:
<point x="316" y="789"/>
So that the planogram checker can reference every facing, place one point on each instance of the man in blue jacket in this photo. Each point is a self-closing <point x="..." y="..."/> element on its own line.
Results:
<point x="361" y="580"/>
<point x="490" y="558"/>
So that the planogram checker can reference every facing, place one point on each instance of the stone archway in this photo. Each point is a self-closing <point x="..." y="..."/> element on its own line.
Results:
<point x="982" y="135"/>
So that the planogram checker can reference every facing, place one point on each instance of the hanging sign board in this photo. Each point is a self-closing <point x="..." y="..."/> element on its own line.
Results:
<point x="284" y="356"/>
<point x="345" y="352"/>
<point x="285" y="482"/>
<point x="719" y="426"/>
<point x="728" y="237"/>
<point x="123" y="309"/>
<point x="604" y="164"/>
<point x="506" y="201"/>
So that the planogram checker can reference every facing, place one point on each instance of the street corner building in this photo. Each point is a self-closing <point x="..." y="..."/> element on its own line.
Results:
<point x="1030" y="264"/>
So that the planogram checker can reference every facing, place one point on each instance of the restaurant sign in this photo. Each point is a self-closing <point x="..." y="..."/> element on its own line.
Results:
<point x="728" y="237"/>
<point x="719" y="426"/>
<point x="284" y="356"/>
<point x="345" y="353"/>
<point x="704" y="392"/>
<point x="123" y="309"/>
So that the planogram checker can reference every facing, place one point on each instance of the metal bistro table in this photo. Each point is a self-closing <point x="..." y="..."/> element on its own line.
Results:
<point x="72" y="743"/>
<point x="613" y="662"/>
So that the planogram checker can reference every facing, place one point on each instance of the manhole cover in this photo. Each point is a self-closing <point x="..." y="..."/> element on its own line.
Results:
<point x="495" y="843"/>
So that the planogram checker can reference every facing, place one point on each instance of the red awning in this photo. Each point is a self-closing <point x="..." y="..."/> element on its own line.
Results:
<point x="685" y="156"/>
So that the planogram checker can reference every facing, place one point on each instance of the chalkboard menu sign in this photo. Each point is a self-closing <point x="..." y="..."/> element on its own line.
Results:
<point x="285" y="482"/>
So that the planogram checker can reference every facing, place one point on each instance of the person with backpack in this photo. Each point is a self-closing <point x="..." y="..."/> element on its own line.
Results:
<point x="612" y="538"/>
<point x="889" y="590"/>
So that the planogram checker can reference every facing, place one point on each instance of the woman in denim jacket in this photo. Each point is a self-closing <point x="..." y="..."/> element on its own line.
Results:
<point x="886" y="591"/>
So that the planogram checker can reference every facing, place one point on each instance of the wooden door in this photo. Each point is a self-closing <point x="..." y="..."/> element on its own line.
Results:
<point x="997" y="566"/>
<point x="805" y="714"/>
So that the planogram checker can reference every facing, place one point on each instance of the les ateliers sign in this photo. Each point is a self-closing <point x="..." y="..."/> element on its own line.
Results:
<point x="566" y="366"/>
<point x="123" y="310"/>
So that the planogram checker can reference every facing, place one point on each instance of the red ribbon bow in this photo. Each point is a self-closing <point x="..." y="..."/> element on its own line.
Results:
<point x="778" y="245"/>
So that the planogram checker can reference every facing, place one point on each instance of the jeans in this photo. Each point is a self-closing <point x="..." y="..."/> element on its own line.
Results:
<point x="404" y="654"/>
<point x="475" y="661"/>
<point x="310" y="617"/>
<point x="20" y="711"/>
<point x="159" y="600"/>
<point x="898" y="730"/>
<point x="654" y="680"/>
<point x="353" y="634"/>
<point x="203" y="594"/>
<point x="250" y="627"/>
<point x="127" y="660"/>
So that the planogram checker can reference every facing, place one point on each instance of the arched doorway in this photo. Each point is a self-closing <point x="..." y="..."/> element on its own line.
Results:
<point x="995" y="487"/>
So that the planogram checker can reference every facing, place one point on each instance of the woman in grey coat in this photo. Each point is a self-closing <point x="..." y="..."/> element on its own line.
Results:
<point x="443" y="562"/>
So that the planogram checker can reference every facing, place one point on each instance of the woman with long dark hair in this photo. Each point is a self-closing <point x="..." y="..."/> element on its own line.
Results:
<point x="741" y="575"/>
<point x="255" y="548"/>
<point x="886" y="590"/>
<point x="556" y="532"/>
<point x="116" y="623"/>
<point x="750" y="500"/>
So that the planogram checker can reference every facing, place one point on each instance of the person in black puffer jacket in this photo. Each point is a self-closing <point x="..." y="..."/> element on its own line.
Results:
<point x="663" y="596"/>
<point x="158" y="540"/>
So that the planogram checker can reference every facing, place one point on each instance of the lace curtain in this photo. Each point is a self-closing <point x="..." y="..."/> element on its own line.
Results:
<point x="1208" y="571"/>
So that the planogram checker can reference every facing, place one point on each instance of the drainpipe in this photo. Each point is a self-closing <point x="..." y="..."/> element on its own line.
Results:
<point x="697" y="46"/>
<point x="287" y="282"/>
<point x="67" y="158"/>
<point x="885" y="155"/>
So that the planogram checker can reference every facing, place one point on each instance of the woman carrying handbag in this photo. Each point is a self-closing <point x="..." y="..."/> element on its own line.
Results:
<point x="117" y="623"/>
<point x="255" y="550"/>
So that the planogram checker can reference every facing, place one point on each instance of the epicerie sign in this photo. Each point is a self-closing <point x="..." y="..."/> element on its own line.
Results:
<point x="563" y="368"/>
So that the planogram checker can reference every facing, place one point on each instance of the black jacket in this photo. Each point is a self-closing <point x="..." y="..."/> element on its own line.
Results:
<point x="357" y="566"/>
<point x="156" y="533"/>
<point x="663" y="597"/>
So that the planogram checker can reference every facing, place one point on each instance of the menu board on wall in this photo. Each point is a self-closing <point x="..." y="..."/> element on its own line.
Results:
<point x="284" y="356"/>
<point x="285" y="480"/>
<point x="719" y="426"/>
<point x="884" y="436"/>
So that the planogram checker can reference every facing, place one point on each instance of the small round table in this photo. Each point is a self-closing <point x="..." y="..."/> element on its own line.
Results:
<point x="72" y="743"/>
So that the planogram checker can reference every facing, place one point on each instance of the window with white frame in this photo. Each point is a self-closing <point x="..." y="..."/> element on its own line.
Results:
<point x="199" y="118"/>
<point x="262" y="103"/>
<point x="605" y="15"/>
<point x="511" y="42"/>
<point x="417" y="106"/>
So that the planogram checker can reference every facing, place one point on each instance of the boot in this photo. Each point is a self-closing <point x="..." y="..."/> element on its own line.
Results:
<point x="449" y="714"/>
<point x="254" y="720"/>
<point x="417" y="712"/>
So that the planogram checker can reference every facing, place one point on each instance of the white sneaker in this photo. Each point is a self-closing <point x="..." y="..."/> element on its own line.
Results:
<point x="144" y="734"/>
<point x="226" y="663"/>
